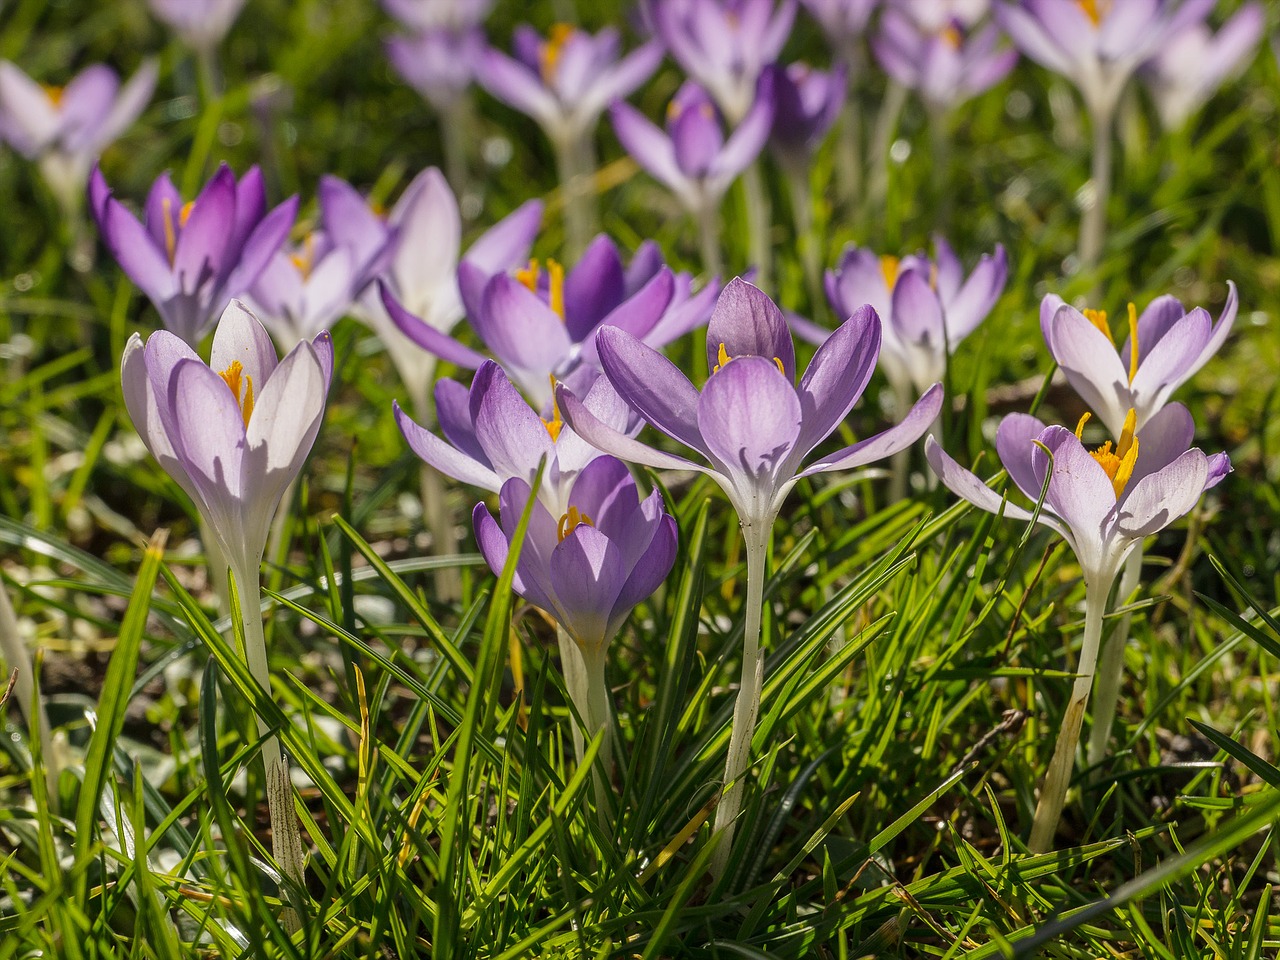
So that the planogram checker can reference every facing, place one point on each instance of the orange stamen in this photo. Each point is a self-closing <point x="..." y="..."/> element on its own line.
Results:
<point x="1120" y="463"/>
<point x="556" y="423"/>
<point x="549" y="55"/>
<point x="1099" y="319"/>
<point x="571" y="521"/>
<point x="234" y="378"/>
<point x="54" y="94"/>
<point x="1133" y="342"/>
<point x="889" y="266"/>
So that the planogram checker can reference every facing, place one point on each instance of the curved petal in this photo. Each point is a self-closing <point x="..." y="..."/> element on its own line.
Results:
<point x="747" y="323"/>
<point x="448" y="460"/>
<point x="888" y="442"/>
<point x="140" y="259"/>
<point x="507" y="242"/>
<point x="837" y="375"/>
<point x="142" y="402"/>
<point x="240" y="336"/>
<point x="965" y="485"/>
<point x="638" y="315"/>
<point x="261" y="244"/>
<point x="1080" y="493"/>
<point x="917" y="313"/>
<point x="1015" y="442"/>
<point x="592" y="288"/>
<point x="209" y="437"/>
<point x="1171" y="359"/>
<point x="1160" y="498"/>
<point x="427" y="336"/>
<point x="750" y="418"/>
<point x="587" y="574"/>
<point x="1091" y="365"/>
<point x="202" y="250"/>
<point x="453" y="414"/>
<point x="513" y="437"/>
<point x="287" y="415"/>
<point x="1162" y="439"/>
<point x="648" y="572"/>
<point x="649" y="147"/>
<point x="653" y="385"/>
<point x="520" y="329"/>
<point x="608" y="440"/>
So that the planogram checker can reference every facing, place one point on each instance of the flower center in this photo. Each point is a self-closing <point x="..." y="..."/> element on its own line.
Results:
<point x="1119" y="464"/>
<point x="556" y="423"/>
<point x="951" y="36"/>
<point x="54" y="93"/>
<point x="235" y="378"/>
<point x="889" y="266"/>
<point x="1095" y="10"/>
<point x="531" y="274"/>
<point x="571" y="521"/>
<point x="549" y="56"/>
<point x="1099" y="319"/>
<point x="304" y="259"/>
<point x="723" y="360"/>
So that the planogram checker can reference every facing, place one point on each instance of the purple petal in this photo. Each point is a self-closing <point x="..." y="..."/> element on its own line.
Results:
<point x="241" y="337"/>
<point x="592" y="288"/>
<point x="609" y="440"/>
<point x="1015" y="441"/>
<point x="648" y="571"/>
<point x="1080" y="492"/>
<point x="507" y="242"/>
<point x="1091" y="365"/>
<point x="453" y="413"/>
<point x="513" y="437"/>
<point x="427" y="336"/>
<point x="968" y="487"/>
<point x="1160" y="498"/>
<point x="651" y="148"/>
<point x="1170" y="360"/>
<point x="448" y="460"/>
<point x="521" y="330"/>
<point x="139" y="258"/>
<point x="652" y="385"/>
<point x="917" y="314"/>
<point x="266" y="237"/>
<point x="1162" y="439"/>
<point x="750" y="419"/>
<point x="837" y="376"/>
<point x="639" y="314"/>
<point x="587" y="575"/>
<point x="748" y="323"/>
<point x="887" y="443"/>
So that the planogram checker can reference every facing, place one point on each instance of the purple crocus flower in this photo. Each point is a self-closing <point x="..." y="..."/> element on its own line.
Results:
<point x="439" y="62"/>
<point x="67" y="128"/>
<point x="1194" y="62"/>
<point x="843" y="21"/>
<point x="566" y="80"/>
<point x="191" y="259"/>
<point x="693" y="159"/>
<point x="431" y="14"/>
<point x="946" y="66"/>
<point x="1171" y="345"/>
<point x="725" y="45"/>
<point x="806" y="105"/>
<point x="937" y="15"/>
<point x="928" y="307"/>
<point x="1096" y="44"/>
<point x="540" y="322"/>
<point x="200" y="24"/>
<point x="491" y="434"/>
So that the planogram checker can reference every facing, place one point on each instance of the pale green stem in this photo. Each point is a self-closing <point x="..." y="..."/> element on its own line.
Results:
<point x="900" y="462"/>
<point x="16" y="656"/>
<point x="940" y="148"/>
<point x="849" y="133"/>
<point x="286" y="840"/>
<point x="217" y="567"/>
<point x="575" y="683"/>
<point x="895" y="98"/>
<point x="759" y="221"/>
<point x="1111" y="664"/>
<point x="456" y="131"/>
<point x="575" y="167"/>
<point x="276" y="545"/>
<point x="806" y="236"/>
<point x="435" y="506"/>
<point x="210" y="76"/>
<point x="1093" y="226"/>
<point x="1053" y="793"/>
<point x="747" y="706"/>
<point x="709" y="237"/>
<point x="599" y="722"/>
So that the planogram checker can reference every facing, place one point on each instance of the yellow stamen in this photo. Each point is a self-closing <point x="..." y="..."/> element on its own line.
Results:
<point x="1099" y="319"/>
<point x="185" y="213"/>
<point x="556" y="423"/>
<point x="889" y="265"/>
<point x="305" y="259"/>
<point x="170" y="237"/>
<point x="234" y="377"/>
<point x="1120" y="463"/>
<point x="54" y="94"/>
<point x="1133" y="342"/>
<point x="530" y="275"/>
<point x="1080" y="426"/>
<point x="952" y="37"/>
<point x="1092" y="9"/>
<point x="571" y="521"/>
<point x="549" y="55"/>
<point x="723" y="359"/>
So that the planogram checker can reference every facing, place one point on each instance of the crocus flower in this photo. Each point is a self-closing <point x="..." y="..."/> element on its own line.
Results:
<point x="928" y="307"/>
<point x="1165" y="347"/>
<point x="692" y="158"/>
<point x="1096" y="44"/>
<point x="439" y="62"/>
<point x="191" y="259"/>
<point x="540" y="322"/>
<point x="725" y="45"/>
<point x="566" y="80"/>
<point x="1103" y="502"/>
<point x="947" y="65"/>
<point x="587" y="567"/>
<point x="806" y="105"/>
<point x="937" y="15"/>
<point x="418" y="246"/>
<point x="843" y="21"/>
<point x="491" y="435"/>
<point x="755" y="427"/>
<point x="200" y="24"/>
<point x="430" y="14"/>
<point x="67" y="128"/>
<point x="1194" y="62"/>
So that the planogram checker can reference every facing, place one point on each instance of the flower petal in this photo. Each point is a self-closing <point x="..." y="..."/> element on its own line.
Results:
<point x="1015" y="442"/>
<point x="748" y="323"/>
<point x="887" y="442"/>
<point x="240" y="336"/>
<point x="965" y="485"/>
<point x="1160" y="498"/>
<point x="513" y="437"/>
<point x="653" y="385"/>
<point x="452" y="462"/>
<point x="608" y="440"/>
<point x="750" y="418"/>
<point x="426" y="336"/>
<point x="837" y="375"/>
<point x="1091" y="365"/>
<point x="587" y="574"/>
<point x="592" y="288"/>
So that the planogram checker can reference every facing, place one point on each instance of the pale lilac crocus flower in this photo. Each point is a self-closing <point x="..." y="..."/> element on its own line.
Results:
<point x="191" y="259"/>
<point x="200" y="24"/>
<point x="438" y="62"/>
<point x="432" y="14"/>
<point x="66" y="128"/>
<point x="1192" y="64"/>
<point x="936" y="15"/>
<point x="946" y="65"/>
<point x="234" y="433"/>
<point x="756" y="428"/>
<point x="1104" y="503"/>
<point x="844" y="22"/>
<point x="692" y="158"/>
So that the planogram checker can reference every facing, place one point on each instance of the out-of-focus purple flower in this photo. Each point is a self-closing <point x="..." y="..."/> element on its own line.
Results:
<point x="843" y="21"/>
<point x="200" y="24"/>
<point x="440" y="63"/>
<point x="692" y="158"/>
<point x="491" y="434"/>
<point x="417" y="248"/>
<point x="66" y="128"/>
<point x="191" y="259"/>
<point x="541" y="322"/>
<point x="725" y="45"/>
<point x="306" y="288"/>
<point x="945" y="66"/>
<point x="433" y="14"/>
<point x="591" y="565"/>
<point x="1194" y="62"/>
<point x="233" y="432"/>
<point x="1165" y="347"/>
<point x="750" y="421"/>
<point x="1096" y="44"/>
<point x="806" y="105"/>
<point x="565" y="81"/>
<point x="935" y="16"/>
<point x="928" y="307"/>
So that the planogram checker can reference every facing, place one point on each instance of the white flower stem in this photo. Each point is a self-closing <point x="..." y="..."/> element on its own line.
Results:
<point x="435" y="506"/>
<point x="806" y="236"/>
<point x="16" y="656"/>
<point x="456" y="131"/>
<point x="280" y="524"/>
<point x="1093" y="225"/>
<point x="1111" y="664"/>
<point x="747" y="706"/>
<point x="599" y="722"/>
<point x="574" y="164"/>
<point x="286" y="839"/>
<point x="895" y="98"/>
<point x="900" y="462"/>
<point x="940" y="147"/>
<point x="849" y="134"/>
<point x="708" y="214"/>
<point x="1053" y="793"/>
<point x="217" y="564"/>
<point x="759" y="222"/>
<point x="575" y="683"/>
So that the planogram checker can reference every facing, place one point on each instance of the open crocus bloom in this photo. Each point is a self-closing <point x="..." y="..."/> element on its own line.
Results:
<point x="66" y="128"/>
<point x="191" y="259"/>
<point x="725" y="45"/>
<point x="588" y="566"/>
<point x="928" y="307"/>
<point x="1165" y="347"/>
<point x="233" y="432"/>
<point x="491" y="434"/>
<point x="751" y="421"/>
<point x="1097" y="44"/>
<point x="946" y="64"/>
<point x="565" y="80"/>
<point x="843" y="21"/>
<point x="439" y="62"/>
<point x="540" y="322"/>
<point x="1104" y="501"/>
<point x="201" y="24"/>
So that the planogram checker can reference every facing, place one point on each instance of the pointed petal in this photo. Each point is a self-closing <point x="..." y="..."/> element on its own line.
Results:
<point x="652" y="385"/>
<point x="448" y="460"/>
<point x="837" y="376"/>
<point x="888" y="442"/>
<point x="1160" y="498"/>
<point x="748" y="323"/>
<point x="608" y="440"/>
<point x="967" y="486"/>
<point x="750" y="418"/>
<point x="1015" y="441"/>
<point x="426" y="336"/>
<point x="241" y="336"/>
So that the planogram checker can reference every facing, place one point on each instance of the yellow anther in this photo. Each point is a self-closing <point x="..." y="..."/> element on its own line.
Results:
<point x="722" y="359"/>
<point x="571" y="521"/>
<point x="531" y="274"/>
<point x="1092" y="9"/>
<point x="1133" y="342"/>
<point x="549" y="56"/>
<point x="556" y="423"/>
<point x="234" y="377"/>
<point x="170" y="235"/>
<point x="952" y="37"/>
<point x="54" y="94"/>
<point x="185" y="213"/>
<point x="1099" y="319"/>
<point x="781" y="369"/>
<point x="305" y="259"/>
<point x="889" y="266"/>
<point x="1119" y="464"/>
<point x="1080" y="426"/>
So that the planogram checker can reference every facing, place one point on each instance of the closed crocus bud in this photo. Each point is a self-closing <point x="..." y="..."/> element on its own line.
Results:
<point x="806" y="105"/>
